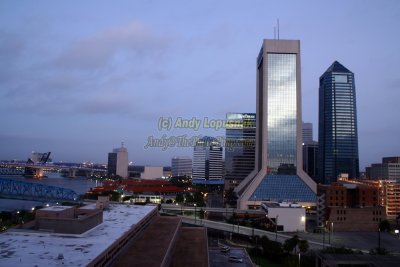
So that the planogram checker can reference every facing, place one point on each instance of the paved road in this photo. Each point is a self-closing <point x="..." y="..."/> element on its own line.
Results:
<point x="247" y="231"/>
<point x="221" y="259"/>
<point x="364" y="241"/>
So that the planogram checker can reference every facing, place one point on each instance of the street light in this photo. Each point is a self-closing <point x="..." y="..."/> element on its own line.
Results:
<point x="332" y="230"/>
<point x="195" y="213"/>
<point x="299" y="260"/>
<point x="276" y="227"/>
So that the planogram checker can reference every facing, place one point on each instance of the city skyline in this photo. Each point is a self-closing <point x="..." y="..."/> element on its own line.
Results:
<point x="75" y="79"/>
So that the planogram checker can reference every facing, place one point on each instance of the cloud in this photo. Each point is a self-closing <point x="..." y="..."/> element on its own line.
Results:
<point x="11" y="46"/>
<point x="92" y="75"/>
<point x="104" y="47"/>
<point x="106" y="104"/>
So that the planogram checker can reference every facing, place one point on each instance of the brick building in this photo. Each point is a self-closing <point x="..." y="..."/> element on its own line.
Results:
<point x="349" y="207"/>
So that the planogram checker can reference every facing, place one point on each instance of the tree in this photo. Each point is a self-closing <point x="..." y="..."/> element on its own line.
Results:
<point x="201" y="214"/>
<point x="189" y="198"/>
<point x="384" y="226"/>
<point x="272" y="250"/>
<point x="198" y="199"/>
<point x="290" y="244"/>
<point x="179" y="198"/>
<point x="303" y="246"/>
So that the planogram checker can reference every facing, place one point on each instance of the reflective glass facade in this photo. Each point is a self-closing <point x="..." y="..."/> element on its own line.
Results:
<point x="278" y="175"/>
<point x="207" y="159"/>
<point x="338" y="138"/>
<point x="239" y="146"/>
<point x="280" y="188"/>
<point x="282" y="112"/>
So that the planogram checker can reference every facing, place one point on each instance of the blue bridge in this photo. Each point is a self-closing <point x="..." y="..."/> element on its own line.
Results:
<point x="37" y="192"/>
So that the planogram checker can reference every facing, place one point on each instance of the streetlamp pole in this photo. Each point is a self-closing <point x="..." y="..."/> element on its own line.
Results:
<point x="332" y="230"/>
<point x="329" y="234"/>
<point x="233" y="220"/>
<point x="379" y="240"/>
<point x="276" y="227"/>
<point x="195" y="213"/>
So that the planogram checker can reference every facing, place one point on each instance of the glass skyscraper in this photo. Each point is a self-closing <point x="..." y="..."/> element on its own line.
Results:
<point x="181" y="166"/>
<point x="278" y="174"/>
<point x="338" y="139"/>
<point x="207" y="160"/>
<point x="239" y="147"/>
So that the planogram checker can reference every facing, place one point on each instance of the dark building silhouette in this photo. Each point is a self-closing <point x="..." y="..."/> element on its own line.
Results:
<point x="338" y="138"/>
<point x="239" y="147"/>
<point x="310" y="159"/>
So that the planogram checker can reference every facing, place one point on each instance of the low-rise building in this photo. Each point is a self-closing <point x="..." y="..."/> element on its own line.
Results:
<point x="68" y="219"/>
<point x="286" y="217"/>
<point x="350" y="206"/>
<point x="389" y="195"/>
<point x="146" y="172"/>
<point x="389" y="169"/>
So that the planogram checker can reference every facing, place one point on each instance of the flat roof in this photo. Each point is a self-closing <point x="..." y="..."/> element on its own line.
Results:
<point x="151" y="247"/>
<point x="88" y="207"/>
<point x="195" y="254"/>
<point x="30" y="248"/>
<point x="56" y="208"/>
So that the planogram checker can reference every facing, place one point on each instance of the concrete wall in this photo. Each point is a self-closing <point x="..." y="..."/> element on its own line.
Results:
<point x="292" y="219"/>
<point x="152" y="172"/>
<point x="67" y="219"/>
<point x="56" y="212"/>
<point x="70" y="225"/>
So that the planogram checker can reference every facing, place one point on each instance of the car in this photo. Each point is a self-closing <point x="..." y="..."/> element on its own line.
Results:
<point x="235" y="258"/>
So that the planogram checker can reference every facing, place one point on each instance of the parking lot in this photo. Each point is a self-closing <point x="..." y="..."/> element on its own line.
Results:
<point x="217" y="256"/>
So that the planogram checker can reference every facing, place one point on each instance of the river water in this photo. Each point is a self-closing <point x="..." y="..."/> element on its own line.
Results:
<point x="79" y="184"/>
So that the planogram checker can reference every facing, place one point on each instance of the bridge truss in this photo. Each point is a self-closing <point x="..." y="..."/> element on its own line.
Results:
<point x="31" y="191"/>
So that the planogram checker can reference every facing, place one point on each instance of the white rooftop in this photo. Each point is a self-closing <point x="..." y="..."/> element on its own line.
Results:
<point x="56" y="208"/>
<point x="34" y="248"/>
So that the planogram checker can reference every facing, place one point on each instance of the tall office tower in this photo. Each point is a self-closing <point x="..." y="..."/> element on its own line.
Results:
<point x="239" y="147"/>
<point x="181" y="166"/>
<point x="207" y="159"/>
<point x="310" y="159"/>
<point x="307" y="132"/>
<point x="338" y="139"/>
<point x="118" y="162"/>
<point x="278" y="173"/>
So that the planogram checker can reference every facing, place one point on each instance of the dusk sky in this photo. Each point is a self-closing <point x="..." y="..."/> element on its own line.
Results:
<point x="79" y="77"/>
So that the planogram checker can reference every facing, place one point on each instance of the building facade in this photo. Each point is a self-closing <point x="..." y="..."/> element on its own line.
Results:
<point x="349" y="206"/>
<point x="239" y="147"/>
<point x="278" y="174"/>
<point x="118" y="162"/>
<point x="389" y="195"/>
<point x="307" y="132"/>
<point x="181" y="166"/>
<point x="310" y="159"/>
<point x="207" y="160"/>
<point x="389" y="169"/>
<point x="338" y="138"/>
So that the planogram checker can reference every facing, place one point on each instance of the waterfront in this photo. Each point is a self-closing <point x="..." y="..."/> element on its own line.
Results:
<point x="79" y="184"/>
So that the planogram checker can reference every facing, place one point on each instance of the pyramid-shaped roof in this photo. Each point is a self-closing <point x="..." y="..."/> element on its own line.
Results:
<point x="337" y="67"/>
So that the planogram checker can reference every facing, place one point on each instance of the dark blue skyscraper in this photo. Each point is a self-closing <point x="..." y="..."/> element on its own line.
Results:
<point x="338" y="139"/>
